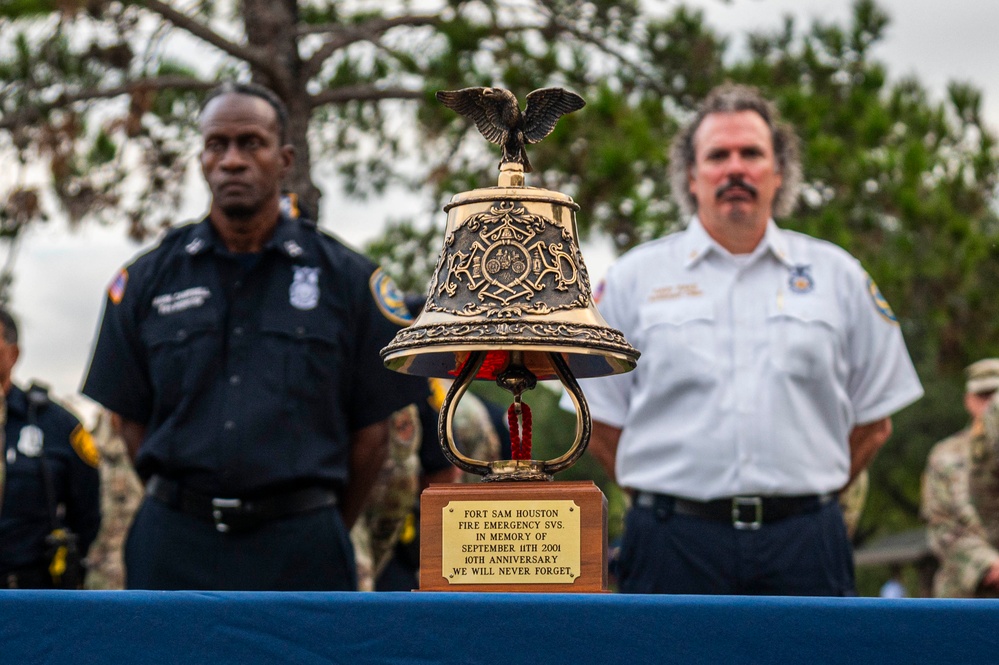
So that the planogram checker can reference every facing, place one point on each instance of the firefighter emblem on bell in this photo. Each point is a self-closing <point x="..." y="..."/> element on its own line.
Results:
<point x="508" y="262"/>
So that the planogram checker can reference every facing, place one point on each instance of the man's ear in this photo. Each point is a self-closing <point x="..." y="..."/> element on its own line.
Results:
<point x="288" y="157"/>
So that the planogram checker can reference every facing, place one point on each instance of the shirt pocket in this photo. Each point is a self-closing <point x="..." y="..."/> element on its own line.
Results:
<point x="182" y="349"/>
<point x="308" y="353"/>
<point x="679" y="333"/>
<point x="803" y="335"/>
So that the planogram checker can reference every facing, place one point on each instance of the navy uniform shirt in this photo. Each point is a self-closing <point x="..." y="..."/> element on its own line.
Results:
<point x="71" y="458"/>
<point x="250" y="371"/>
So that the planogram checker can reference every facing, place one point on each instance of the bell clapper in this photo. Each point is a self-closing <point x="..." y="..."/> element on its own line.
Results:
<point x="516" y="378"/>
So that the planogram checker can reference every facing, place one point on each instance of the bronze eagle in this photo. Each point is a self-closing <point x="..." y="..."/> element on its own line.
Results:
<point x="496" y="113"/>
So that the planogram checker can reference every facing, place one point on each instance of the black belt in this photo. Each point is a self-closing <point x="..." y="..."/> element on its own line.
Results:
<point x="742" y="512"/>
<point x="229" y="514"/>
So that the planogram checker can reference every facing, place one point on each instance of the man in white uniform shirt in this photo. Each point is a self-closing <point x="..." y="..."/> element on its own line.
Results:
<point x="770" y="367"/>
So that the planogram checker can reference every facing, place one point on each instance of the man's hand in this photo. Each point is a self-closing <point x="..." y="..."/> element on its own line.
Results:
<point x="991" y="578"/>
<point x="865" y="442"/>
<point x="131" y="432"/>
<point x="368" y="452"/>
<point x="603" y="446"/>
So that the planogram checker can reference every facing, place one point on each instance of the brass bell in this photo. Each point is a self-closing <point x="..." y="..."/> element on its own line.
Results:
<point x="510" y="301"/>
<point x="510" y="278"/>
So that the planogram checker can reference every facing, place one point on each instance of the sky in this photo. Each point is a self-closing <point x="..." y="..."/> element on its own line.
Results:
<point x="62" y="275"/>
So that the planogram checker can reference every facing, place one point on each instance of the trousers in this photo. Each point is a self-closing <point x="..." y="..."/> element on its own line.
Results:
<point x="168" y="549"/>
<point x="663" y="551"/>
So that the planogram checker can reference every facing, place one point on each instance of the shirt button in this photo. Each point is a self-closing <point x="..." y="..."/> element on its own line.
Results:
<point x="238" y="330"/>
<point x="229" y="425"/>
<point x="234" y="380"/>
<point x="181" y="335"/>
<point x="238" y="284"/>
<point x="300" y="331"/>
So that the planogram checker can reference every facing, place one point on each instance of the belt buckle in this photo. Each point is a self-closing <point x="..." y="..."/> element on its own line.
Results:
<point x="219" y="509"/>
<point x="738" y="503"/>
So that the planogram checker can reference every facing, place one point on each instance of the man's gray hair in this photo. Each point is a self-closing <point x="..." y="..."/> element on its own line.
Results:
<point x="732" y="98"/>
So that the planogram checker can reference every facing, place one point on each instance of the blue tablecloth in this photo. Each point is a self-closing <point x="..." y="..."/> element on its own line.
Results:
<point x="540" y="629"/>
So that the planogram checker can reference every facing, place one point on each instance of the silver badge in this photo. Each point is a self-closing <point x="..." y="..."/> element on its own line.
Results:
<point x="304" y="291"/>
<point x="292" y="248"/>
<point x="194" y="246"/>
<point x="29" y="443"/>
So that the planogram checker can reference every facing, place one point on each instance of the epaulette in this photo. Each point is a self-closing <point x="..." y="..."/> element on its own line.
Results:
<point x="38" y="395"/>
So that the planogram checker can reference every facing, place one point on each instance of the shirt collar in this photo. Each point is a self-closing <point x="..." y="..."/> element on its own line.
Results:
<point x="17" y="401"/>
<point x="290" y="239"/>
<point x="699" y="244"/>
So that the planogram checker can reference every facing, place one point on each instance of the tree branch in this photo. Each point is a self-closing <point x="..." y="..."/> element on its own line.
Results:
<point x="363" y="93"/>
<point x="30" y="114"/>
<point x="342" y="36"/>
<point x="206" y="34"/>
<point x="564" y="26"/>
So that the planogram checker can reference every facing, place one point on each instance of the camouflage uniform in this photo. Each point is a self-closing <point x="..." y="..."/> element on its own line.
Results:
<point x="852" y="500"/>
<point x="389" y="516"/>
<point x="392" y="499"/>
<point x="965" y="547"/>
<point x="474" y="433"/>
<point x="121" y="494"/>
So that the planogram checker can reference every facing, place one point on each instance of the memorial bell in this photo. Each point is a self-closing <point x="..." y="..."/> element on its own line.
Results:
<point x="510" y="299"/>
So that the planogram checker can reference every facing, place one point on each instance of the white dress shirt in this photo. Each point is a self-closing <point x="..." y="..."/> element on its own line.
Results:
<point x="754" y="368"/>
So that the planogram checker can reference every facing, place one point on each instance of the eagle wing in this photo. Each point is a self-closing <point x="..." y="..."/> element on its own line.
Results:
<point x="485" y="112"/>
<point x="544" y="108"/>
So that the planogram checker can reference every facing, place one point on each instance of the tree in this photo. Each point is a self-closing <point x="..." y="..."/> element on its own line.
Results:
<point x="107" y="91"/>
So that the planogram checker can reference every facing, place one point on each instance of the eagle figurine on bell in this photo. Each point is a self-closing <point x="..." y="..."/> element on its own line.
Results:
<point x="510" y="298"/>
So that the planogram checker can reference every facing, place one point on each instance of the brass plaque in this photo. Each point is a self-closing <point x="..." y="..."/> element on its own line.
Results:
<point x="503" y="542"/>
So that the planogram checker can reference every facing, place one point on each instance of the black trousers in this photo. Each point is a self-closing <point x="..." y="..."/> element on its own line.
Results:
<point x="804" y="555"/>
<point x="167" y="549"/>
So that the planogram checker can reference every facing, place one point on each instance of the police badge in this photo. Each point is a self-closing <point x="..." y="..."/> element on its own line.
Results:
<point x="304" y="291"/>
<point x="29" y="442"/>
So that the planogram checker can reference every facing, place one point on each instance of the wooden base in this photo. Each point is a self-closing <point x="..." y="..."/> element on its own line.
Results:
<point x="514" y="536"/>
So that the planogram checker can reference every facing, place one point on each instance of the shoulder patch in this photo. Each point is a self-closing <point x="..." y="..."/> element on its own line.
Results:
<point x="438" y="391"/>
<point x="84" y="446"/>
<point x="116" y="290"/>
<point x="598" y="294"/>
<point x="389" y="298"/>
<point x="880" y="304"/>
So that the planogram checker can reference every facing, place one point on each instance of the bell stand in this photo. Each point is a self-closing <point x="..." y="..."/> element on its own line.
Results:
<point x="515" y="378"/>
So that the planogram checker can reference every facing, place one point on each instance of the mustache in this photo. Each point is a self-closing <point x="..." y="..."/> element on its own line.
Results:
<point x="735" y="183"/>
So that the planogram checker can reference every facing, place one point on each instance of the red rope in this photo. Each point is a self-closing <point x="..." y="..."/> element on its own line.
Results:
<point x="520" y="430"/>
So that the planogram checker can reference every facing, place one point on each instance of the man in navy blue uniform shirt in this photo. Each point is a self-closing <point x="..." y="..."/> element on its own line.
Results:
<point x="242" y="356"/>
<point x="52" y="480"/>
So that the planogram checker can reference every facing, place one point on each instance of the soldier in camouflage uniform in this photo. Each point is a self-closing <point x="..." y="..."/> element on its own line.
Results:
<point x="394" y="494"/>
<point x="960" y="499"/>
<point x="121" y="494"/>
<point x="852" y="500"/>
<point x="388" y="534"/>
<point x="474" y="433"/>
